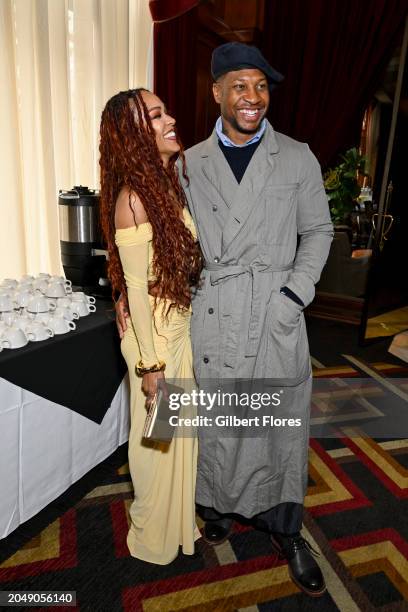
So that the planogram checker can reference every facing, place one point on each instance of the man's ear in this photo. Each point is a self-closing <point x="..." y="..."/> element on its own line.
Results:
<point x="217" y="92"/>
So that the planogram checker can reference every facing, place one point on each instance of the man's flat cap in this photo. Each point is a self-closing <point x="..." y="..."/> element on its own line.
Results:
<point x="236" y="55"/>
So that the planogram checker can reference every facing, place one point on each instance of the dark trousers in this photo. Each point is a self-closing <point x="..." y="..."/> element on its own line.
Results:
<point x="284" y="518"/>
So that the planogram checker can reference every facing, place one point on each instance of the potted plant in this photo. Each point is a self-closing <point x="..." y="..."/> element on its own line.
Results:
<point x="342" y="187"/>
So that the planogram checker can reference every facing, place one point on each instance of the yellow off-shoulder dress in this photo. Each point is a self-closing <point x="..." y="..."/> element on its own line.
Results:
<point x="162" y="514"/>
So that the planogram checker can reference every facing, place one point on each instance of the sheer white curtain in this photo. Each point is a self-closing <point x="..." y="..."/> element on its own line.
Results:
<point x="60" y="60"/>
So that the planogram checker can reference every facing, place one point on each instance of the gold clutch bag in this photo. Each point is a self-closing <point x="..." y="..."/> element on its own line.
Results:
<point x="157" y="424"/>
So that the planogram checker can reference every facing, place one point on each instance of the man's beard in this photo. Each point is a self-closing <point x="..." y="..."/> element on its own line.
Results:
<point x="234" y="123"/>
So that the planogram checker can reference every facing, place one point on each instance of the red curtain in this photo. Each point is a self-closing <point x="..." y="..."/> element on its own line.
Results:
<point x="333" y="55"/>
<point x="175" y="52"/>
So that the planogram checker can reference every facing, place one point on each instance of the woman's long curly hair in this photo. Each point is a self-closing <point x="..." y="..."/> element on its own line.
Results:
<point x="129" y="157"/>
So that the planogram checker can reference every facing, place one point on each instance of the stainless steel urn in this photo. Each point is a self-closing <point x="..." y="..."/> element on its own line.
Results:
<point x="82" y="250"/>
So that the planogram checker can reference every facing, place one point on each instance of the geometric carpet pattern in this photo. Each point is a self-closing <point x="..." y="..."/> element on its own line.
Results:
<point x="356" y="515"/>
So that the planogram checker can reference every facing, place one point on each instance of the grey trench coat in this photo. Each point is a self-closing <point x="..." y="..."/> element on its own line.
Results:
<point x="272" y="229"/>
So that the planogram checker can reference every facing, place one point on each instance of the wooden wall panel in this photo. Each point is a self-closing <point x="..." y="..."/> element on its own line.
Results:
<point x="232" y="19"/>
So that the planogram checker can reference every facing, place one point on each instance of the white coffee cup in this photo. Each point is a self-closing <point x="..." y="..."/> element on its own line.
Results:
<point x="24" y="288"/>
<point x="26" y="313"/>
<point x="9" y="318"/>
<point x="9" y="282"/>
<point x="65" y="312"/>
<point x="6" y="303"/>
<point x="22" y="321"/>
<point x="40" y="331"/>
<point x="37" y="283"/>
<point x="59" y="325"/>
<point x="22" y="298"/>
<point x="14" y="337"/>
<point x="65" y="302"/>
<point x="60" y="279"/>
<point x="41" y="317"/>
<point x="42" y="285"/>
<point x="28" y="286"/>
<point x="57" y="289"/>
<point x="38" y="303"/>
<point x="80" y="296"/>
<point x="52" y="303"/>
<point x="82" y="309"/>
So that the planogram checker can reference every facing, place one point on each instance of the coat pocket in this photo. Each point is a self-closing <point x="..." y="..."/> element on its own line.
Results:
<point x="287" y="352"/>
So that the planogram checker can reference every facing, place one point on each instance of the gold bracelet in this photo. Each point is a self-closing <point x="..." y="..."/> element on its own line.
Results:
<point x="156" y="367"/>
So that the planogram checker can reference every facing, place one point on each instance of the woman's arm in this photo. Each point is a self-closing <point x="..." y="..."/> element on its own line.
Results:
<point x="133" y="240"/>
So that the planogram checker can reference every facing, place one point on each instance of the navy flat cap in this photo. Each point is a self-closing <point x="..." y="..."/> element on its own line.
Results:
<point x="236" y="55"/>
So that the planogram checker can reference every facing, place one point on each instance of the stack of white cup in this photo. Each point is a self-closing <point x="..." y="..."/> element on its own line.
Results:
<point x="37" y="308"/>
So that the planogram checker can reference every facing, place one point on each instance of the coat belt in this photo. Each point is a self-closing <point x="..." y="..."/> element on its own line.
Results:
<point x="220" y="273"/>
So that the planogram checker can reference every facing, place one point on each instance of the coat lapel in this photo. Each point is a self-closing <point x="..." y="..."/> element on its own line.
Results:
<point x="247" y="195"/>
<point x="217" y="171"/>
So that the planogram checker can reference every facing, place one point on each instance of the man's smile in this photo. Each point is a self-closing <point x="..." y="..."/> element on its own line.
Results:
<point x="252" y="115"/>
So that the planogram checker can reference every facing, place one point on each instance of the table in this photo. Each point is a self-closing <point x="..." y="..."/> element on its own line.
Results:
<point x="75" y="414"/>
<point x="80" y="370"/>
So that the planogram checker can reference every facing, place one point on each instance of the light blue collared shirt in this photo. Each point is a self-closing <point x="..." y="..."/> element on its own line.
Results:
<point x="228" y="143"/>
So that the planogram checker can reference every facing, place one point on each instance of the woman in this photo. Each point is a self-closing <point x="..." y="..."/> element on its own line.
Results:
<point x="154" y="257"/>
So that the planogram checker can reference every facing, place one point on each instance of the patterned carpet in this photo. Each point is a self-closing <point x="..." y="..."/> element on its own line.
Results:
<point x="356" y="515"/>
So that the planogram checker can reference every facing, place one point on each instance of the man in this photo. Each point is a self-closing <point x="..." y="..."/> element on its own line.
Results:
<point x="263" y="221"/>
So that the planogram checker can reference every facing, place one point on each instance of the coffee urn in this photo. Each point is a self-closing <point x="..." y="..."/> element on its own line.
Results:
<point x="83" y="254"/>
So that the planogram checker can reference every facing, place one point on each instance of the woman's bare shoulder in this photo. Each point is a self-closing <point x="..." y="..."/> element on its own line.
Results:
<point x="129" y="210"/>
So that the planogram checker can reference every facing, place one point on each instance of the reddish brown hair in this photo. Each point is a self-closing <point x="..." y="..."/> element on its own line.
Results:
<point x="129" y="157"/>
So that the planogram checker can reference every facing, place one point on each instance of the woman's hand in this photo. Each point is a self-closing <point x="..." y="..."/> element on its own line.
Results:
<point x="150" y="383"/>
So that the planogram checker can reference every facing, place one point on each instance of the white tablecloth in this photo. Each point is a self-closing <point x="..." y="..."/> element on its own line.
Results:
<point x="45" y="448"/>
